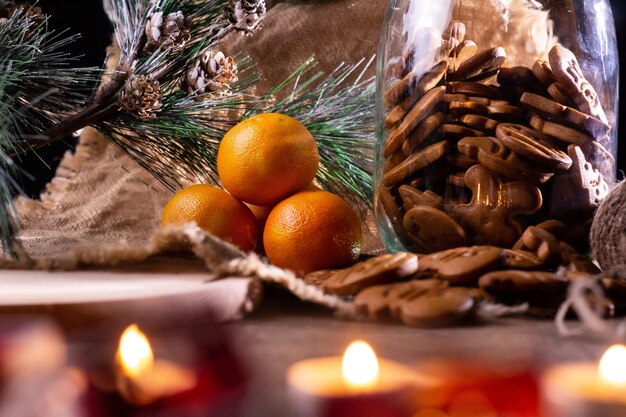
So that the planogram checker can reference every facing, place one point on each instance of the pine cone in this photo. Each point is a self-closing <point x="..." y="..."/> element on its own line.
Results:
<point x="245" y="15"/>
<point x="171" y="32"/>
<point x="212" y="72"/>
<point x="141" y="97"/>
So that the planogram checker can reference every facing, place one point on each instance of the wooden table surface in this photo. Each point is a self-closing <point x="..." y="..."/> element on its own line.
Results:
<point x="285" y="331"/>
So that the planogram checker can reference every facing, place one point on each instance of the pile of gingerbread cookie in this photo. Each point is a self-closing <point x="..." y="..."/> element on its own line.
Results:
<point x="447" y="287"/>
<point x="476" y="151"/>
<point x="493" y="174"/>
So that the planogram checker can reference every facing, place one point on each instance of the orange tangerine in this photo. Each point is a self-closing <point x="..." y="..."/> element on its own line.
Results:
<point x="312" y="230"/>
<point x="266" y="158"/>
<point x="215" y="211"/>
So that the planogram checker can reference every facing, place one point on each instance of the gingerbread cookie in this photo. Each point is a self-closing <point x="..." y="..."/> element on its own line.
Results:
<point x="393" y="161"/>
<point x="458" y="131"/>
<point x="376" y="301"/>
<point x="412" y="197"/>
<point x="567" y="71"/>
<point x="416" y="162"/>
<point x="464" y="51"/>
<point x="480" y="100"/>
<point x="463" y="265"/>
<point x="432" y="230"/>
<point x="557" y="92"/>
<point x="424" y="303"/>
<point x="532" y="145"/>
<point x="455" y="30"/>
<point x="561" y="132"/>
<point x="458" y="160"/>
<point x="473" y="89"/>
<point x="421" y="133"/>
<point x="493" y="154"/>
<point x="482" y="64"/>
<point x="541" y="70"/>
<point x="552" y="110"/>
<point x="490" y="217"/>
<point x="439" y="307"/>
<point x="466" y="107"/>
<point x="428" y="81"/>
<point x="521" y="259"/>
<point x="581" y="263"/>
<point x="409" y="88"/>
<point x="317" y="278"/>
<point x="502" y="110"/>
<point x="457" y="179"/>
<point x="378" y="270"/>
<point x="480" y="122"/>
<point x="419" y="112"/>
<point x="557" y="228"/>
<point x="385" y="203"/>
<point x="579" y="190"/>
<point x="541" y="242"/>
<point x="524" y="285"/>
<point x="602" y="159"/>
<point x="521" y="79"/>
<point x="450" y="97"/>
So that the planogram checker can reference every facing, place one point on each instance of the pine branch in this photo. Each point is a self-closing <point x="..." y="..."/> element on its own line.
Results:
<point x="39" y="86"/>
<point x="340" y="116"/>
<point x="181" y="143"/>
<point x="8" y="223"/>
<point x="205" y="22"/>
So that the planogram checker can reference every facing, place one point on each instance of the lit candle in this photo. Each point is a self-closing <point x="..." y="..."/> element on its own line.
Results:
<point x="185" y="375"/>
<point x="141" y="379"/>
<point x="588" y="389"/>
<point x="358" y="384"/>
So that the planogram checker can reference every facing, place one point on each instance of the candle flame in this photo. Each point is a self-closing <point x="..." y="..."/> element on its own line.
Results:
<point x="613" y="364"/>
<point x="134" y="352"/>
<point x="360" y="365"/>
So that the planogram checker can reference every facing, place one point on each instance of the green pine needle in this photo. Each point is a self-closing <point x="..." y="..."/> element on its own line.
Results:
<point x="340" y="116"/>
<point x="181" y="144"/>
<point x="39" y="86"/>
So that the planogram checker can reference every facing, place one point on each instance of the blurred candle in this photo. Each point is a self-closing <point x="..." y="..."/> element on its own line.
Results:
<point x="588" y="389"/>
<point x="359" y="384"/>
<point x="183" y="376"/>
<point x="141" y="379"/>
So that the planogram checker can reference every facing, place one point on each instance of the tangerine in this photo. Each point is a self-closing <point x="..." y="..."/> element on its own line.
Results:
<point x="215" y="211"/>
<point x="266" y="158"/>
<point x="312" y="230"/>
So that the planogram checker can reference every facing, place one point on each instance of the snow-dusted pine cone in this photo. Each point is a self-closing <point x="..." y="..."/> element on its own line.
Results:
<point x="141" y="97"/>
<point x="245" y="15"/>
<point x="212" y="72"/>
<point x="169" y="32"/>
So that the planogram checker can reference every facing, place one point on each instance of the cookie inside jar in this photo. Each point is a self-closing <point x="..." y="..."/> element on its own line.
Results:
<point x="492" y="120"/>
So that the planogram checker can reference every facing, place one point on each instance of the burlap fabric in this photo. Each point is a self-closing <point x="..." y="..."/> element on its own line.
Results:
<point x="102" y="209"/>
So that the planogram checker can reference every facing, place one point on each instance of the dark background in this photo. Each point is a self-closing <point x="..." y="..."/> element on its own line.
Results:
<point x="87" y="18"/>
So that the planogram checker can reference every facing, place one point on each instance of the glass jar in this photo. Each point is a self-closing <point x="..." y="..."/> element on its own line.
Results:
<point x="493" y="115"/>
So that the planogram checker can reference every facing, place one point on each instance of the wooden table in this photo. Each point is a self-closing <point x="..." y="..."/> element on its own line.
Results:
<point x="285" y="330"/>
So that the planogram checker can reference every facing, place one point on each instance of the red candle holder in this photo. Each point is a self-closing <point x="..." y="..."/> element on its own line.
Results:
<point x="473" y="388"/>
<point x="215" y="382"/>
